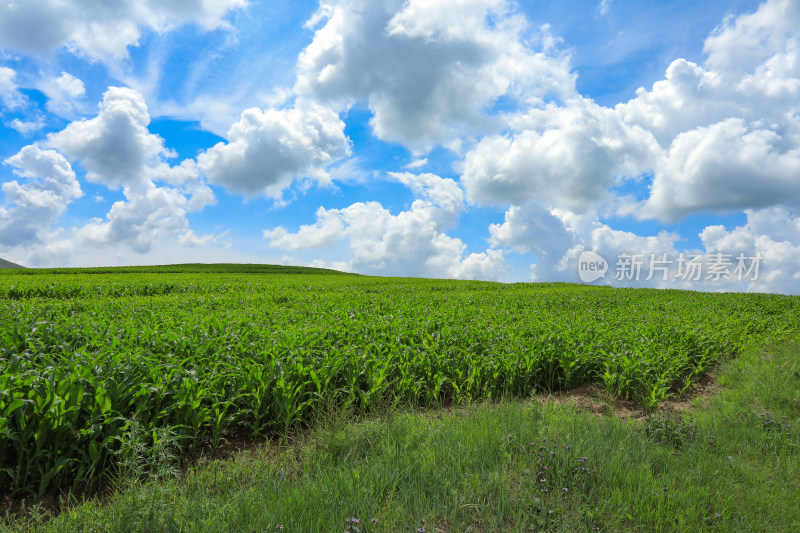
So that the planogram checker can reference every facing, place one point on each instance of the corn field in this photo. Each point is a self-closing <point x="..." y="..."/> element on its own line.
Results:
<point x="204" y="353"/>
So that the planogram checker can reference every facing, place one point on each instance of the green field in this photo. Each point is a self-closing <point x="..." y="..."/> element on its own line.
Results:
<point x="96" y="362"/>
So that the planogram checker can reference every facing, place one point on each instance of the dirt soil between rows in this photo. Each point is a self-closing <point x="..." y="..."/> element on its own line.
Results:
<point x="594" y="399"/>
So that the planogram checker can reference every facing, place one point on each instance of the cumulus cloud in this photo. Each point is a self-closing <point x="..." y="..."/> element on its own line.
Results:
<point x="10" y="96"/>
<point x="535" y="229"/>
<point x="740" y="44"/>
<point x="720" y="136"/>
<point x="115" y="147"/>
<point x="426" y="79"/>
<point x="557" y="237"/>
<point x="70" y="85"/>
<point x="268" y="148"/>
<point x="117" y="150"/>
<point x="413" y="242"/>
<point x="30" y="208"/>
<point x="729" y="129"/>
<point x="774" y="234"/>
<point x="101" y="29"/>
<point x="725" y="166"/>
<point x="63" y="93"/>
<point x="567" y="155"/>
<point x="688" y="97"/>
<point x="716" y="137"/>
<point x="147" y="214"/>
<point x="27" y="127"/>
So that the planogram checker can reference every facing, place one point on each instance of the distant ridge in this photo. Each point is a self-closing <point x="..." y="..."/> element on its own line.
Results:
<point x="9" y="264"/>
<point x="194" y="268"/>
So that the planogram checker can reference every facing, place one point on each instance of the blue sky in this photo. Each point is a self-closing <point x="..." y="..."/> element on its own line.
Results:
<point x="485" y="139"/>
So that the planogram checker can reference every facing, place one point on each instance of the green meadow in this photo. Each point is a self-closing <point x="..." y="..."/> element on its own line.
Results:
<point x="375" y="404"/>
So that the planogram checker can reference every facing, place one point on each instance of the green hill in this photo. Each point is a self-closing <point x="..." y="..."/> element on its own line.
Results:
<point x="188" y="268"/>
<point x="9" y="264"/>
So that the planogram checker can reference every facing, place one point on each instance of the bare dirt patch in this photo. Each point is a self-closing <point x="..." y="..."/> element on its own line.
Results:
<point x="593" y="398"/>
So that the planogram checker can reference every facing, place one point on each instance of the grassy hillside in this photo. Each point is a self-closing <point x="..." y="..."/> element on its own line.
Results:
<point x="187" y="268"/>
<point x="8" y="265"/>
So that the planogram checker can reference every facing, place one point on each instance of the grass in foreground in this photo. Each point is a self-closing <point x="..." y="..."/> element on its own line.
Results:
<point x="729" y="465"/>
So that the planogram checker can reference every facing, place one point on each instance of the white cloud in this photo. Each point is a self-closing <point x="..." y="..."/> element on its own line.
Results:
<point x="190" y="238"/>
<point x="557" y="237"/>
<point x="774" y="233"/>
<point x="425" y="78"/>
<point x="726" y="166"/>
<point x="101" y="30"/>
<point x="717" y="137"/>
<point x="70" y="85"/>
<point x="412" y="242"/>
<point x="30" y="208"/>
<point x="325" y="232"/>
<point x="730" y="129"/>
<point x="341" y="266"/>
<point x="532" y="228"/>
<point x="444" y="194"/>
<point x="60" y="251"/>
<point x="741" y="44"/>
<point x="10" y="96"/>
<point x="148" y="214"/>
<point x="63" y="94"/>
<point x="567" y="155"/>
<point x="117" y="150"/>
<point x="115" y="147"/>
<point x="267" y="149"/>
<point x="27" y="127"/>
<point x="688" y="97"/>
<point x="418" y="163"/>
